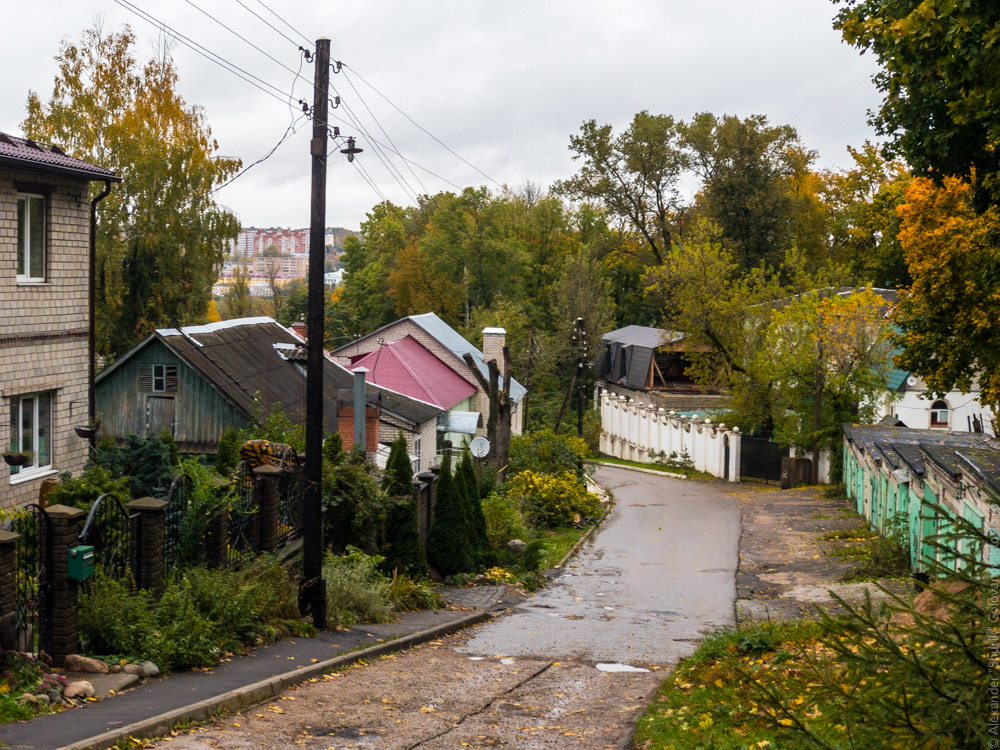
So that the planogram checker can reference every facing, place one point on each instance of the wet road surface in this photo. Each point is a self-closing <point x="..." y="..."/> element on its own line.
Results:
<point x="659" y="575"/>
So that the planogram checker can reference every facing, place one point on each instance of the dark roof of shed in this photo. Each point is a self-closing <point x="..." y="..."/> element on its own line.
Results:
<point x="249" y="356"/>
<point x="645" y="336"/>
<point x="953" y="452"/>
<point x="22" y="153"/>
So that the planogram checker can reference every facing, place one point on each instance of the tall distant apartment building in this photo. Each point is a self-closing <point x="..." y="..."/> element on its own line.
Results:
<point x="253" y="241"/>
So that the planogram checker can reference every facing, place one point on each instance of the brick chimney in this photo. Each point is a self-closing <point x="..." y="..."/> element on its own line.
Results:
<point x="493" y="343"/>
<point x="299" y="327"/>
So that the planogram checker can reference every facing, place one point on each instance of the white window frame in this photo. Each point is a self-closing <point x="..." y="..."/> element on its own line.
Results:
<point x="24" y="250"/>
<point x="935" y="421"/>
<point x="17" y="425"/>
<point x="158" y="373"/>
<point x="416" y="449"/>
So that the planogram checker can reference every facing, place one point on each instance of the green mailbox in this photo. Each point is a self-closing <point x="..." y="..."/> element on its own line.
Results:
<point x="81" y="562"/>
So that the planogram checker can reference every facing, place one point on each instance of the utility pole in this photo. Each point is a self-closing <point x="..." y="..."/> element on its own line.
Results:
<point x="582" y="361"/>
<point x="312" y="595"/>
<point x="577" y="377"/>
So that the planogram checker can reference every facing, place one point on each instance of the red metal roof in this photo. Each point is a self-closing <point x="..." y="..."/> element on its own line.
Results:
<point x="407" y="366"/>
<point x="22" y="153"/>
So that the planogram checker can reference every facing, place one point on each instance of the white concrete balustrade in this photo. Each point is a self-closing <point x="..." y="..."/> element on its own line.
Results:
<point x="645" y="434"/>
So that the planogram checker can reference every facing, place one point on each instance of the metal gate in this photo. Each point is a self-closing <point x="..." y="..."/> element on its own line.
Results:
<point x="175" y="547"/>
<point x="290" y="490"/>
<point x="242" y="516"/>
<point x="33" y="585"/>
<point x="110" y="530"/>
<point x="760" y="460"/>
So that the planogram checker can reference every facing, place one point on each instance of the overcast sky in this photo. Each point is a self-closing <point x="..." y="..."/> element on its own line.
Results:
<point x="501" y="84"/>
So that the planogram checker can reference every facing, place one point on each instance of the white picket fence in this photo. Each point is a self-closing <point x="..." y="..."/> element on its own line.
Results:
<point x="643" y="433"/>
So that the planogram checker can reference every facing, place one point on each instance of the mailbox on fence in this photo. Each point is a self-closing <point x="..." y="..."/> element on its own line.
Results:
<point x="81" y="562"/>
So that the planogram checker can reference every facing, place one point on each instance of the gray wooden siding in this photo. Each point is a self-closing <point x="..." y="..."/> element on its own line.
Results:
<point x="201" y="414"/>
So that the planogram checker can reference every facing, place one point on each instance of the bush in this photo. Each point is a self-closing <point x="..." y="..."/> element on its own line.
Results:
<point x="397" y="480"/>
<point x="355" y="589"/>
<point x="201" y="615"/>
<point x="504" y="520"/>
<point x="403" y="549"/>
<point x="204" y="504"/>
<point x="552" y="500"/>
<point x="82" y="491"/>
<point x="227" y="453"/>
<point x="468" y="486"/>
<point x="450" y="546"/>
<point x="544" y="452"/>
<point x="408" y="594"/>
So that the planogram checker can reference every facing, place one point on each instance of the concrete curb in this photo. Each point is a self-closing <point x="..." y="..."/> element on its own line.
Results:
<point x="258" y="692"/>
<point x="654" y="472"/>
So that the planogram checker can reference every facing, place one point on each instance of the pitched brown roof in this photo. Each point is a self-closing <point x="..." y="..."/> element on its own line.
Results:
<point x="23" y="153"/>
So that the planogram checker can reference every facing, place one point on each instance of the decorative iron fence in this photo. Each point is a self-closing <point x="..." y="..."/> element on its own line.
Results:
<point x="243" y="512"/>
<point x="760" y="460"/>
<point x="33" y="584"/>
<point x="178" y="499"/>
<point x="111" y="531"/>
<point x="290" y="489"/>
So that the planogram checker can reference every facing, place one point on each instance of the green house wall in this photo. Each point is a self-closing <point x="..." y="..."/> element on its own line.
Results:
<point x="200" y="413"/>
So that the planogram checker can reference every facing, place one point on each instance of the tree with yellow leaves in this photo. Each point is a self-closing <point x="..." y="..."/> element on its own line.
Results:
<point x="948" y="318"/>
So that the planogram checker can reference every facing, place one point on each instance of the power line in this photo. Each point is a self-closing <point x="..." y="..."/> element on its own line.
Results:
<point x="422" y="128"/>
<point x="267" y="23"/>
<point x="365" y="104"/>
<point x="263" y="5"/>
<point x="206" y="53"/>
<point x="288" y="131"/>
<point x="243" y="38"/>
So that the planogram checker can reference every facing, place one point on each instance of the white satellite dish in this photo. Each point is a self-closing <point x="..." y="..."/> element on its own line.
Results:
<point x="911" y="381"/>
<point x="479" y="446"/>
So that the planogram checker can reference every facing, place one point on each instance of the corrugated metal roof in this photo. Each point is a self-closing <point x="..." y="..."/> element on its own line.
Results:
<point x="407" y="366"/>
<point x="456" y="343"/>
<point x="22" y="153"/>
<point x="249" y="356"/>
<point x="645" y="336"/>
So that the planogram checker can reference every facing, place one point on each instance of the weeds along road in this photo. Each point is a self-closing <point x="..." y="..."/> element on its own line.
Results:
<point x="571" y="667"/>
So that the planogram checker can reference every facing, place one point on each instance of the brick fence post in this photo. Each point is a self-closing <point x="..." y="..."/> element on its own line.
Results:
<point x="217" y="530"/>
<point x="148" y="541"/>
<point x="63" y="627"/>
<point x="265" y="490"/>
<point x="8" y="589"/>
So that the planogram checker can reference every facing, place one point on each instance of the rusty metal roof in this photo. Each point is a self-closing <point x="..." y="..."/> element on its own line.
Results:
<point x="23" y="153"/>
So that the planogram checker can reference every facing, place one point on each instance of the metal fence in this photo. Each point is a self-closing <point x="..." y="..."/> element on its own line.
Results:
<point x="760" y="460"/>
<point x="290" y="490"/>
<point x="243" y="513"/>
<point x="111" y="531"/>
<point x="178" y="499"/>
<point x="33" y="581"/>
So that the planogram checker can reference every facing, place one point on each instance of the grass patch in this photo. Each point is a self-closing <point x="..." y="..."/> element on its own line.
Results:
<point x="558" y="542"/>
<point x="666" y="468"/>
<point x="711" y="701"/>
<point x="849" y="535"/>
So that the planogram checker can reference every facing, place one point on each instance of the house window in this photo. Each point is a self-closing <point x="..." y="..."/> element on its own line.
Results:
<point x="416" y="449"/>
<point x="939" y="414"/>
<point x="30" y="237"/>
<point x="31" y="431"/>
<point x="158" y="378"/>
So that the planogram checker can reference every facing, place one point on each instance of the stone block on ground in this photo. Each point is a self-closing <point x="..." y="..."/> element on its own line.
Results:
<point x="79" y="663"/>
<point x="81" y="689"/>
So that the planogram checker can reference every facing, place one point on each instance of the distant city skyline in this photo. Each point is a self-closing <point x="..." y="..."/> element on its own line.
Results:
<point x="502" y="86"/>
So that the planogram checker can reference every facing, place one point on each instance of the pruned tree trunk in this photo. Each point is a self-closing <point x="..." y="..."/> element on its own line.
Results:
<point x="498" y="426"/>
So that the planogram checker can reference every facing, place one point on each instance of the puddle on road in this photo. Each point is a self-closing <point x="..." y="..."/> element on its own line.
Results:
<point x="606" y="667"/>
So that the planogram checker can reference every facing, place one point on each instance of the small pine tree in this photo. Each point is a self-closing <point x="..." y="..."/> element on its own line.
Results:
<point x="397" y="480"/>
<point x="449" y="548"/>
<point x="474" y="506"/>
<point x="168" y="440"/>
<point x="403" y="550"/>
<point x="227" y="453"/>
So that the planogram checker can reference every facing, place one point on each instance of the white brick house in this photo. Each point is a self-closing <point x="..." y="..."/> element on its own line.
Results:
<point x="44" y="275"/>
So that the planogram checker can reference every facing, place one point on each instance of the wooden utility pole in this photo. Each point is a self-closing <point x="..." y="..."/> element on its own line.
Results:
<point x="581" y="370"/>
<point x="312" y="595"/>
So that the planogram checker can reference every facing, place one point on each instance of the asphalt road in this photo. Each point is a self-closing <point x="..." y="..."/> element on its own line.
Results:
<point x="657" y="577"/>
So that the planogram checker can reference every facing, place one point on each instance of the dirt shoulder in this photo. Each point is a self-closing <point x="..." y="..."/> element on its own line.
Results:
<point x="787" y="567"/>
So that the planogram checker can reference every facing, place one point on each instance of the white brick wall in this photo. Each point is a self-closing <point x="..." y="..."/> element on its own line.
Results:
<point x="55" y="315"/>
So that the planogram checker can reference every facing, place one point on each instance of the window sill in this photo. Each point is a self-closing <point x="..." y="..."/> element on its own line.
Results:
<point x="21" y="478"/>
<point x="26" y="282"/>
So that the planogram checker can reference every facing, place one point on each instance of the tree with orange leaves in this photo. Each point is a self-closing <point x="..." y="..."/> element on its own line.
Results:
<point x="948" y="319"/>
